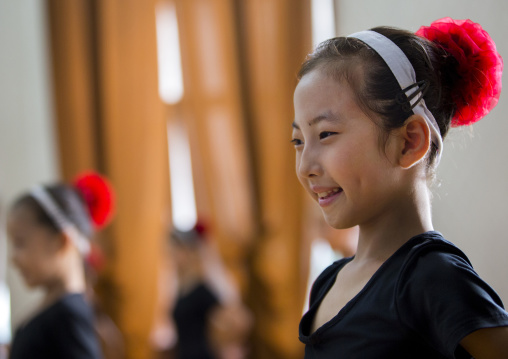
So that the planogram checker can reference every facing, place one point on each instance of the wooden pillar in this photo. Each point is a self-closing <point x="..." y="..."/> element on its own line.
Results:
<point x="135" y="156"/>
<point x="275" y="39"/>
<point x="73" y="82"/>
<point x="110" y="118"/>
<point x="212" y="111"/>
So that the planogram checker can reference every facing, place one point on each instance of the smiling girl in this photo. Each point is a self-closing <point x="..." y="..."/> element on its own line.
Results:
<point x="371" y="112"/>
<point x="49" y="229"/>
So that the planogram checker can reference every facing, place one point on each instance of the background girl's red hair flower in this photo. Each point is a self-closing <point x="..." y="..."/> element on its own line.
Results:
<point x="98" y="195"/>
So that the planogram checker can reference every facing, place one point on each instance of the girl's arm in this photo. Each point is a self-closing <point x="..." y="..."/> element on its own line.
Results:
<point x="489" y="343"/>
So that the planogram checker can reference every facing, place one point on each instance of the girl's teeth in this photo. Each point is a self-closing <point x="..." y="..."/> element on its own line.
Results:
<point x="327" y="193"/>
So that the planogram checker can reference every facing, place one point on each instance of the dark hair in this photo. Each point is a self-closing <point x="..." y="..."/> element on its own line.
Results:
<point x="188" y="239"/>
<point x="69" y="202"/>
<point x="375" y="86"/>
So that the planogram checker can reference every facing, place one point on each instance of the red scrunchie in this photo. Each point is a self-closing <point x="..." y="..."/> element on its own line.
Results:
<point x="98" y="195"/>
<point x="480" y="66"/>
<point x="96" y="258"/>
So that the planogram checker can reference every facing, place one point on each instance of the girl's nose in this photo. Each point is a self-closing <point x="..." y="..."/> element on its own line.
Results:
<point x="309" y="165"/>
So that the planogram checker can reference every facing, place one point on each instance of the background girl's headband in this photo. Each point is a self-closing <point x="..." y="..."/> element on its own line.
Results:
<point x="98" y="197"/>
<point x="60" y="219"/>
<point x="404" y="72"/>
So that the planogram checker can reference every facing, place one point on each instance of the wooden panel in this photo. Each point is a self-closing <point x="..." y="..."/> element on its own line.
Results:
<point x="212" y="110"/>
<point x="135" y="156"/>
<point x="73" y="76"/>
<point x="275" y="39"/>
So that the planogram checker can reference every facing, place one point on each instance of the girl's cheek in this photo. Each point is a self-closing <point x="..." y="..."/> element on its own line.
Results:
<point x="21" y="258"/>
<point x="15" y="255"/>
<point x="18" y="262"/>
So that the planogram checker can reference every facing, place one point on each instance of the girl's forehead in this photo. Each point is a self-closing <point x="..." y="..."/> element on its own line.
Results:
<point x="318" y="93"/>
<point x="344" y="70"/>
<point x="322" y="83"/>
<point x="22" y="216"/>
<point x="22" y="211"/>
<point x="317" y="76"/>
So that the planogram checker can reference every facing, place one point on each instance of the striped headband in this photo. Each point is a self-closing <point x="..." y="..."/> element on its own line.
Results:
<point x="61" y="221"/>
<point x="404" y="72"/>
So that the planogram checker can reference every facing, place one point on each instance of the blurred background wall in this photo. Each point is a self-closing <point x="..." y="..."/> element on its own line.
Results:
<point x="80" y="87"/>
<point x="28" y="151"/>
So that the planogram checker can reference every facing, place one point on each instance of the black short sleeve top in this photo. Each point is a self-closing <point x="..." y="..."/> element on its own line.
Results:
<point x="63" y="330"/>
<point x="191" y="315"/>
<point x="419" y="304"/>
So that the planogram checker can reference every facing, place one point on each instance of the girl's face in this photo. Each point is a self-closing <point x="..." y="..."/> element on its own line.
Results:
<point x="184" y="257"/>
<point x="34" y="247"/>
<point x="339" y="159"/>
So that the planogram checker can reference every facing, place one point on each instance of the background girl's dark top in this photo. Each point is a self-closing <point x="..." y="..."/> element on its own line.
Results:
<point x="191" y="313"/>
<point x="64" y="330"/>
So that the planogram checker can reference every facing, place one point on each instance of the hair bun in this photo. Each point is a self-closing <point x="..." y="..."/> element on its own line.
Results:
<point x="479" y="66"/>
<point x="98" y="195"/>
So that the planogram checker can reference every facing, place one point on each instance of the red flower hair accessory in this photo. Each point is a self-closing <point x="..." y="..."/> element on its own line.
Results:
<point x="200" y="228"/>
<point x="480" y="66"/>
<point x="98" y="195"/>
<point x="96" y="259"/>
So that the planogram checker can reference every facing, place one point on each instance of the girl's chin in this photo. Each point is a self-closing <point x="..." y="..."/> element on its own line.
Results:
<point x="337" y="223"/>
<point x="333" y="223"/>
<point x="30" y="282"/>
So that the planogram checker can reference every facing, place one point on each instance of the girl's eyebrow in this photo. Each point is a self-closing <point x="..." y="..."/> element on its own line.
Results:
<point x="328" y="116"/>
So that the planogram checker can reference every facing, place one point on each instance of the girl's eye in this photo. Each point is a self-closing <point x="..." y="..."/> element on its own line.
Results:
<point x="326" y="134"/>
<point x="296" y="142"/>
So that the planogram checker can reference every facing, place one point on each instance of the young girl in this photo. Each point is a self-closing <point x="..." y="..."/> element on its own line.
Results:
<point x="50" y="228"/>
<point x="210" y="319"/>
<point x="371" y="111"/>
<point x="196" y="299"/>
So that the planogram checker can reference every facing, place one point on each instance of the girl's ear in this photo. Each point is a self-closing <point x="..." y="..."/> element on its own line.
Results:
<point x="64" y="242"/>
<point x="415" y="135"/>
<point x="57" y="242"/>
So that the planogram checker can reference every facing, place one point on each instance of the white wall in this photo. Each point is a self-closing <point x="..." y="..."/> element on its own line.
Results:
<point x="471" y="205"/>
<point x="27" y="153"/>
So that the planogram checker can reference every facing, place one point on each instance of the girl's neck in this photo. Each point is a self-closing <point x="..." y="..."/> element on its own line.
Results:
<point x="381" y="238"/>
<point x="69" y="281"/>
<point x="189" y="275"/>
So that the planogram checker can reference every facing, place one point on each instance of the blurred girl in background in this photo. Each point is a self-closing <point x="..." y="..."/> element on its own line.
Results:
<point x="50" y="229"/>
<point x="206" y="312"/>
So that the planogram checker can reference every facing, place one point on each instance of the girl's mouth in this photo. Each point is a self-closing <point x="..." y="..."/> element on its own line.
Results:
<point x="325" y="198"/>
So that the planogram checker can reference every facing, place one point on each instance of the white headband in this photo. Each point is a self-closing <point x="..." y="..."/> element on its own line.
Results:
<point x="62" y="222"/>
<point x="404" y="72"/>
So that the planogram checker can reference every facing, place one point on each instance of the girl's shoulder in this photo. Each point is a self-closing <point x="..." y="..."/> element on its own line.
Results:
<point x="439" y="295"/>
<point x="432" y="242"/>
<point x="429" y="257"/>
<point x="74" y="304"/>
<point x="436" y="268"/>
<point x="66" y="311"/>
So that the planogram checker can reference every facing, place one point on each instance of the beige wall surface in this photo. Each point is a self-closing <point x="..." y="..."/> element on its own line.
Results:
<point x="27" y="153"/>
<point x="470" y="206"/>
